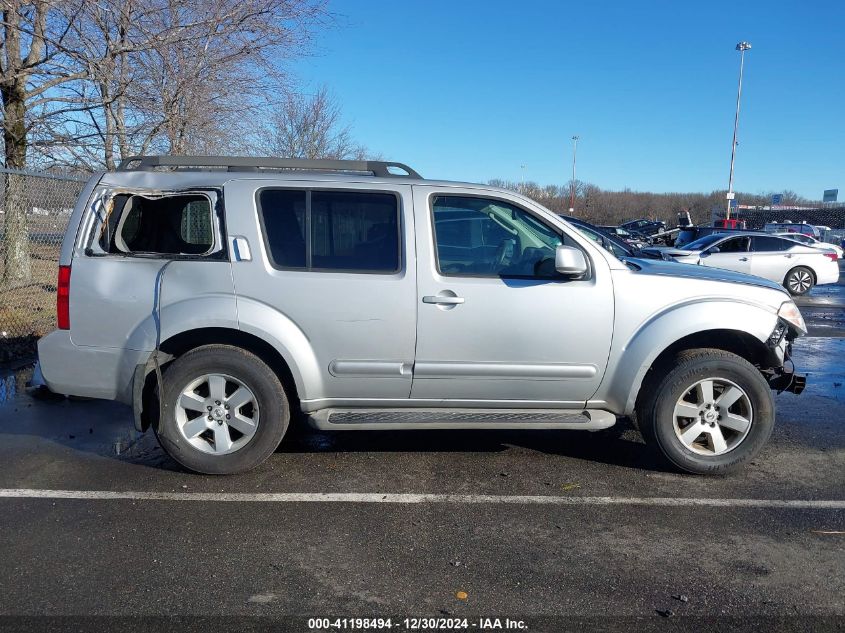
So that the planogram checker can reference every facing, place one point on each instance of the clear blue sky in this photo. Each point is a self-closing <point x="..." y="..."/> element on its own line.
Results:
<point x="472" y="90"/>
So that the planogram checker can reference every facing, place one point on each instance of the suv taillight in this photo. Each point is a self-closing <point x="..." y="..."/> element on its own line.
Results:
<point x="833" y="256"/>
<point x="63" y="298"/>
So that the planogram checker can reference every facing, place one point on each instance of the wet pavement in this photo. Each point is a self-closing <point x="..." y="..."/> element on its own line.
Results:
<point x="823" y="307"/>
<point x="546" y="564"/>
<point x="609" y="560"/>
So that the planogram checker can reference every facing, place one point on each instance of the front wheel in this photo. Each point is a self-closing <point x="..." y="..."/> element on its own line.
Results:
<point x="799" y="281"/>
<point x="708" y="412"/>
<point x="224" y="410"/>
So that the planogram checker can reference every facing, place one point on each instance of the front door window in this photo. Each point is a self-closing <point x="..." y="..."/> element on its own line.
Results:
<point x="492" y="238"/>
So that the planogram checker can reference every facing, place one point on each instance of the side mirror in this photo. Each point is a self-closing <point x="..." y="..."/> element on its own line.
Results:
<point x="570" y="262"/>
<point x="709" y="251"/>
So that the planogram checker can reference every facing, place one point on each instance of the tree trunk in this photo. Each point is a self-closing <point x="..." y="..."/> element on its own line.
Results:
<point x="16" y="264"/>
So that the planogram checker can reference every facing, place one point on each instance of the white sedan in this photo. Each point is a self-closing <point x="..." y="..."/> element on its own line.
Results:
<point x="811" y="241"/>
<point x="785" y="261"/>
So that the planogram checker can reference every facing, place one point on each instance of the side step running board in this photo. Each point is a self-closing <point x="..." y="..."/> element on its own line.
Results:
<point x="387" y="419"/>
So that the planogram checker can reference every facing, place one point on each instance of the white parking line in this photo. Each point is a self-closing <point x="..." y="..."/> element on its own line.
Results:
<point x="408" y="498"/>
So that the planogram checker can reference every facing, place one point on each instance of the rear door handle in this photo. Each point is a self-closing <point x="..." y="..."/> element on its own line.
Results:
<point x="743" y="259"/>
<point x="443" y="300"/>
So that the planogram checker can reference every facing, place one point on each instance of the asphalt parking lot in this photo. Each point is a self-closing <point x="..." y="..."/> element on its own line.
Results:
<point x="555" y="529"/>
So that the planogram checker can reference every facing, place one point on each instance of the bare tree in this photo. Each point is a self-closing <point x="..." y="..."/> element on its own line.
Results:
<point x="191" y="76"/>
<point x="33" y="64"/>
<point x="175" y="76"/>
<point x="88" y="82"/>
<point x="604" y="207"/>
<point x="311" y="126"/>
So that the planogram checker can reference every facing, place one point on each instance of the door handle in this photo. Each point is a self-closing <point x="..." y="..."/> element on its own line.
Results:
<point x="443" y="300"/>
<point x="743" y="259"/>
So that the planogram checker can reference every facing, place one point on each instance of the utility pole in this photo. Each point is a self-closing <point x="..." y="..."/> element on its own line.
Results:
<point x="522" y="180"/>
<point x="572" y="184"/>
<point x="741" y="47"/>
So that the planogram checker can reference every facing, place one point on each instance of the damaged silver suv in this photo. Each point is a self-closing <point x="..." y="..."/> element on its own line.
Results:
<point x="216" y="296"/>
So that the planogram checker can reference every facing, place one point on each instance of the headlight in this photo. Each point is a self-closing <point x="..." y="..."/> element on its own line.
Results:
<point x="790" y="313"/>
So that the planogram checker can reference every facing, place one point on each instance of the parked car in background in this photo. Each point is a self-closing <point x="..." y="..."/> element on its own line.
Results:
<point x="216" y="299"/>
<point x="689" y="234"/>
<point x="646" y="227"/>
<point x="811" y="241"/>
<point x="632" y="238"/>
<point x="655" y="230"/>
<point x="792" y="227"/>
<point x="607" y="241"/>
<point x="796" y="266"/>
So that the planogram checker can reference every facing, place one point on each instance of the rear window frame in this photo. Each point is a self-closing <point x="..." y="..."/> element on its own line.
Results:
<point x="400" y="230"/>
<point x="786" y="242"/>
<point x="217" y="252"/>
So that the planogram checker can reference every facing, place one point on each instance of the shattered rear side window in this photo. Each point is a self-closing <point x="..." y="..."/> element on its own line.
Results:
<point x="167" y="225"/>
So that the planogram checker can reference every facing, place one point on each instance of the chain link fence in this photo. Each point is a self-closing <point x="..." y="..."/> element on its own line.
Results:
<point x="34" y="212"/>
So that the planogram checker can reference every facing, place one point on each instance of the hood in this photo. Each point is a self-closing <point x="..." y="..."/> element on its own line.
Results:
<point x="692" y="271"/>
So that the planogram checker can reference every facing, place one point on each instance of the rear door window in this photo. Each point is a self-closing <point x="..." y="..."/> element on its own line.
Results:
<point x="769" y="244"/>
<point x="346" y="231"/>
<point x="283" y="222"/>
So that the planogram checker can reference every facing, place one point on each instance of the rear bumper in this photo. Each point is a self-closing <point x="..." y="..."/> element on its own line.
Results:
<point x="828" y="274"/>
<point x="93" y="372"/>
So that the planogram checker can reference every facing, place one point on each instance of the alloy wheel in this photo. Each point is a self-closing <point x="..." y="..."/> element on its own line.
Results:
<point x="713" y="416"/>
<point x="217" y="414"/>
<point x="800" y="281"/>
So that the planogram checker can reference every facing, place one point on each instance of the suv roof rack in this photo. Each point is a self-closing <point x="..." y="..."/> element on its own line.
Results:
<point x="240" y="163"/>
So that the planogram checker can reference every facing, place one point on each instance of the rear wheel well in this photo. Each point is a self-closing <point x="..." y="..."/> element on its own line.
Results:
<point x="185" y="341"/>
<point x="737" y="342"/>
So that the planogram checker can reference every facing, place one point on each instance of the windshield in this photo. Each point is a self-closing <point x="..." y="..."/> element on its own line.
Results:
<point x="704" y="242"/>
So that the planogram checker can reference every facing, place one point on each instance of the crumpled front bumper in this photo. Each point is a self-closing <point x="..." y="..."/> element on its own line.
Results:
<point x="781" y="374"/>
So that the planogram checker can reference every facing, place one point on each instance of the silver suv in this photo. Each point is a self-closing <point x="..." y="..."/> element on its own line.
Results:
<point x="217" y="296"/>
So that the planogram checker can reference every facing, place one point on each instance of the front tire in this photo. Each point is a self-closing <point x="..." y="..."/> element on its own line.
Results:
<point x="224" y="410"/>
<point x="708" y="412"/>
<point x="799" y="281"/>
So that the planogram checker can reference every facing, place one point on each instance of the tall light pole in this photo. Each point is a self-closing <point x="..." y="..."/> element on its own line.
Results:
<point x="572" y="184"/>
<point x="741" y="47"/>
<point x="522" y="180"/>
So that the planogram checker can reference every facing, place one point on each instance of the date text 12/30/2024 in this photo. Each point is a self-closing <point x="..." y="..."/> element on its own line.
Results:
<point x="416" y="624"/>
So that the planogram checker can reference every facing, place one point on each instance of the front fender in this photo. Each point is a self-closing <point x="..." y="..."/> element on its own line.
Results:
<point x="633" y="352"/>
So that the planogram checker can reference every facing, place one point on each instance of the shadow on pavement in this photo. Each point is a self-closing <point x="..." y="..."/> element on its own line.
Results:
<point x="621" y="445"/>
